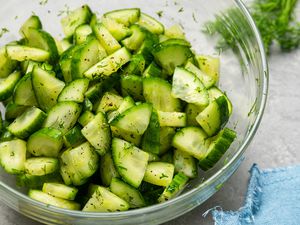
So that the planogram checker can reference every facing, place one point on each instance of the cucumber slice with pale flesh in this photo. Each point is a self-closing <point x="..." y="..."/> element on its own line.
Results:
<point x="124" y="16"/>
<point x="60" y="190"/>
<point x="107" y="169"/>
<point x="185" y="163"/>
<point x="22" y="53"/>
<point x="74" y="91"/>
<point x="159" y="173"/>
<point x="41" y="166"/>
<point x="7" y="85"/>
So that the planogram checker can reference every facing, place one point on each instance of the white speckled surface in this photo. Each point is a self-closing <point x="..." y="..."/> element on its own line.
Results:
<point x="277" y="143"/>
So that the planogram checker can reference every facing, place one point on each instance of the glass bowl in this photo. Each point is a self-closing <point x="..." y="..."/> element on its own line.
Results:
<point x="244" y="77"/>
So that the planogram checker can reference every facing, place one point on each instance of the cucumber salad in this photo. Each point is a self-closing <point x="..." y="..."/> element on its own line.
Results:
<point x="119" y="114"/>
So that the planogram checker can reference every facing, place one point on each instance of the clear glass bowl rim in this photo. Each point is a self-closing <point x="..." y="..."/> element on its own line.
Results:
<point x="184" y="197"/>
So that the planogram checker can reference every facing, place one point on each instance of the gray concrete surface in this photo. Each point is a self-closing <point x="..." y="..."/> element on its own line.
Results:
<point x="277" y="143"/>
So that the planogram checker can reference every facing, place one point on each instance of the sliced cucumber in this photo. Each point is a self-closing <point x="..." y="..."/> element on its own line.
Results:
<point x="107" y="169"/>
<point x="209" y="65"/>
<point x="150" y="24"/>
<point x="166" y="136"/>
<point x="87" y="55"/>
<point x="23" y="93"/>
<point x="136" y="39"/>
<point x="215" y="93"/>
<point x="130" y="137"/>
<point x="178" y="183"/>
<point x="13" y="110"/>
<point x="215" y="116"/>
<point x="31" y="181"/>
<point x="63" y="116"/>
<point x="109" y="65"/>
<point x="118" y="30"/>
<point x="171" y="55"/>
<point x="60" y="191"/>
<point x="130" y="161"/>
<point x="109" y="102"/>
<point x="75" y="18"/>
<point x="97" y="132"/>
<point x="135" y="66"/>
<point x="217" y="148"/>
<point x="8" y="84"/>
<point x="159" y="173"/>
<point x="41" y="166"/>
<point x="192" y="112"/>
<point x="85" y="118"/>
<point x="22" y="53"/>
<point x="32" y="22"/>
<point x="135" y="120"/>
<point x="128" y="193"/>
<point x="81" y="33"/>
<point x="151" y="40"/>
<point x="191" y="140"/>
<point x="185" y="163"/>
<point x="65" y="62"/>
<point x="106" y="39"/>
<point x="151" y="137"/>
<point x="158" y="92"/>
<point x="50" y="200"/>
<point x="124" y="16"/>
<point x="207" y="80"/>
<point x="27" y="123"/>
<point x="189" y="88"/>
<point x="74" y="137"/>
<point x="175" y="31"/>
<point x="7" y="65"/>
<point x="45" y="142"/>
<point x="13" y="156"/>
<point x="172" y="119"/>
<point x="153" y="70"/>
<point x="74" y="91"/>
<point x="46" y="88"/>
<point x="105" y="201"/>
<point x="126" y="104"/>
<point x="167" y="157"/>
<point x="78" y="164"/>
<point x="132" y="85"/>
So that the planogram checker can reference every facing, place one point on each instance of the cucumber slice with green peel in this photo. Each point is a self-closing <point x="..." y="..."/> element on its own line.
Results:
<point x="176" y="41"/>
<point x="105" y="201"/>
<point x="135" y="66"/>
<point x="27" y="123"/>
<point x="135" y="40"/>
<point x="23" y="92"/>
<point x="178" y="183"/>
<point x="159" y="173"/>
<point x="191" y="140"/>
<point x="97" y="132"/>
<point x="171" y="55"/>
<point x="31" y="181"/>
<point x="106" y="39"/>
<point x="74" y="137"/>
<point x="8" y="84"/>
<point x="192" y="112"/>
<point x="215" y="116"/>
<point x="109" y="65"/>
<point x="124" y="16"/>
<point x="128" y="193"/>
<point x="13" y="156"/>
<point x="22" y="53"/>
<point x="118" y="30"/>
<point x="12" y="110"/>
<point x="209" y="65"/>
<point x="109" y="102"/>
<point x="132" y="85"/>
<point x="46" y="88"/>
<point x="166" y="137"/>
<point x="45" y="142"/>
<point x="7" y="65"/>
<point x="151" y="40"/>
<point x="87" y="55"/>
<point x="78" y="164"/>
<point x="151" y="137"/>
<point x="175" y="31"/>
<point x="185" y="163"/>
<point x="81" y="33"/>
<point x="130" y="161"/>
<point x="87" y="105"/>
<point x="107" y="169"/>
<point x="65" y="45"/>
<point x="135" y="120"/>
<point x="215" y="93"/>
<point x="50" y="200"/>
<point x="126" y="104"/>
<point x="75" y="18"/>
<point x="127" y="136"/>
<point x="172" y="119"/>
<point x="217" y="148"/>
<point x="41" y="39"/>
<point x="74" y="91"/>
<point x="63" y="116"/>
<point x="153" y="70"/>
<point x="150" y="24"/>
<point x="158" y="92"/>
<point x="41" y="166"/>
<point x="32" y="22"/>
<point x="189" y="88"/>
<point x="85" y="118"/>
<point x="208" y="81"/>
<point x="60" y="191"/>
<point x="65" y="62"/>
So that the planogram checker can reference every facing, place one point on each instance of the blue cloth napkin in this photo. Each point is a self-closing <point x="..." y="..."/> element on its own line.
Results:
<point x="273" y="198"/>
